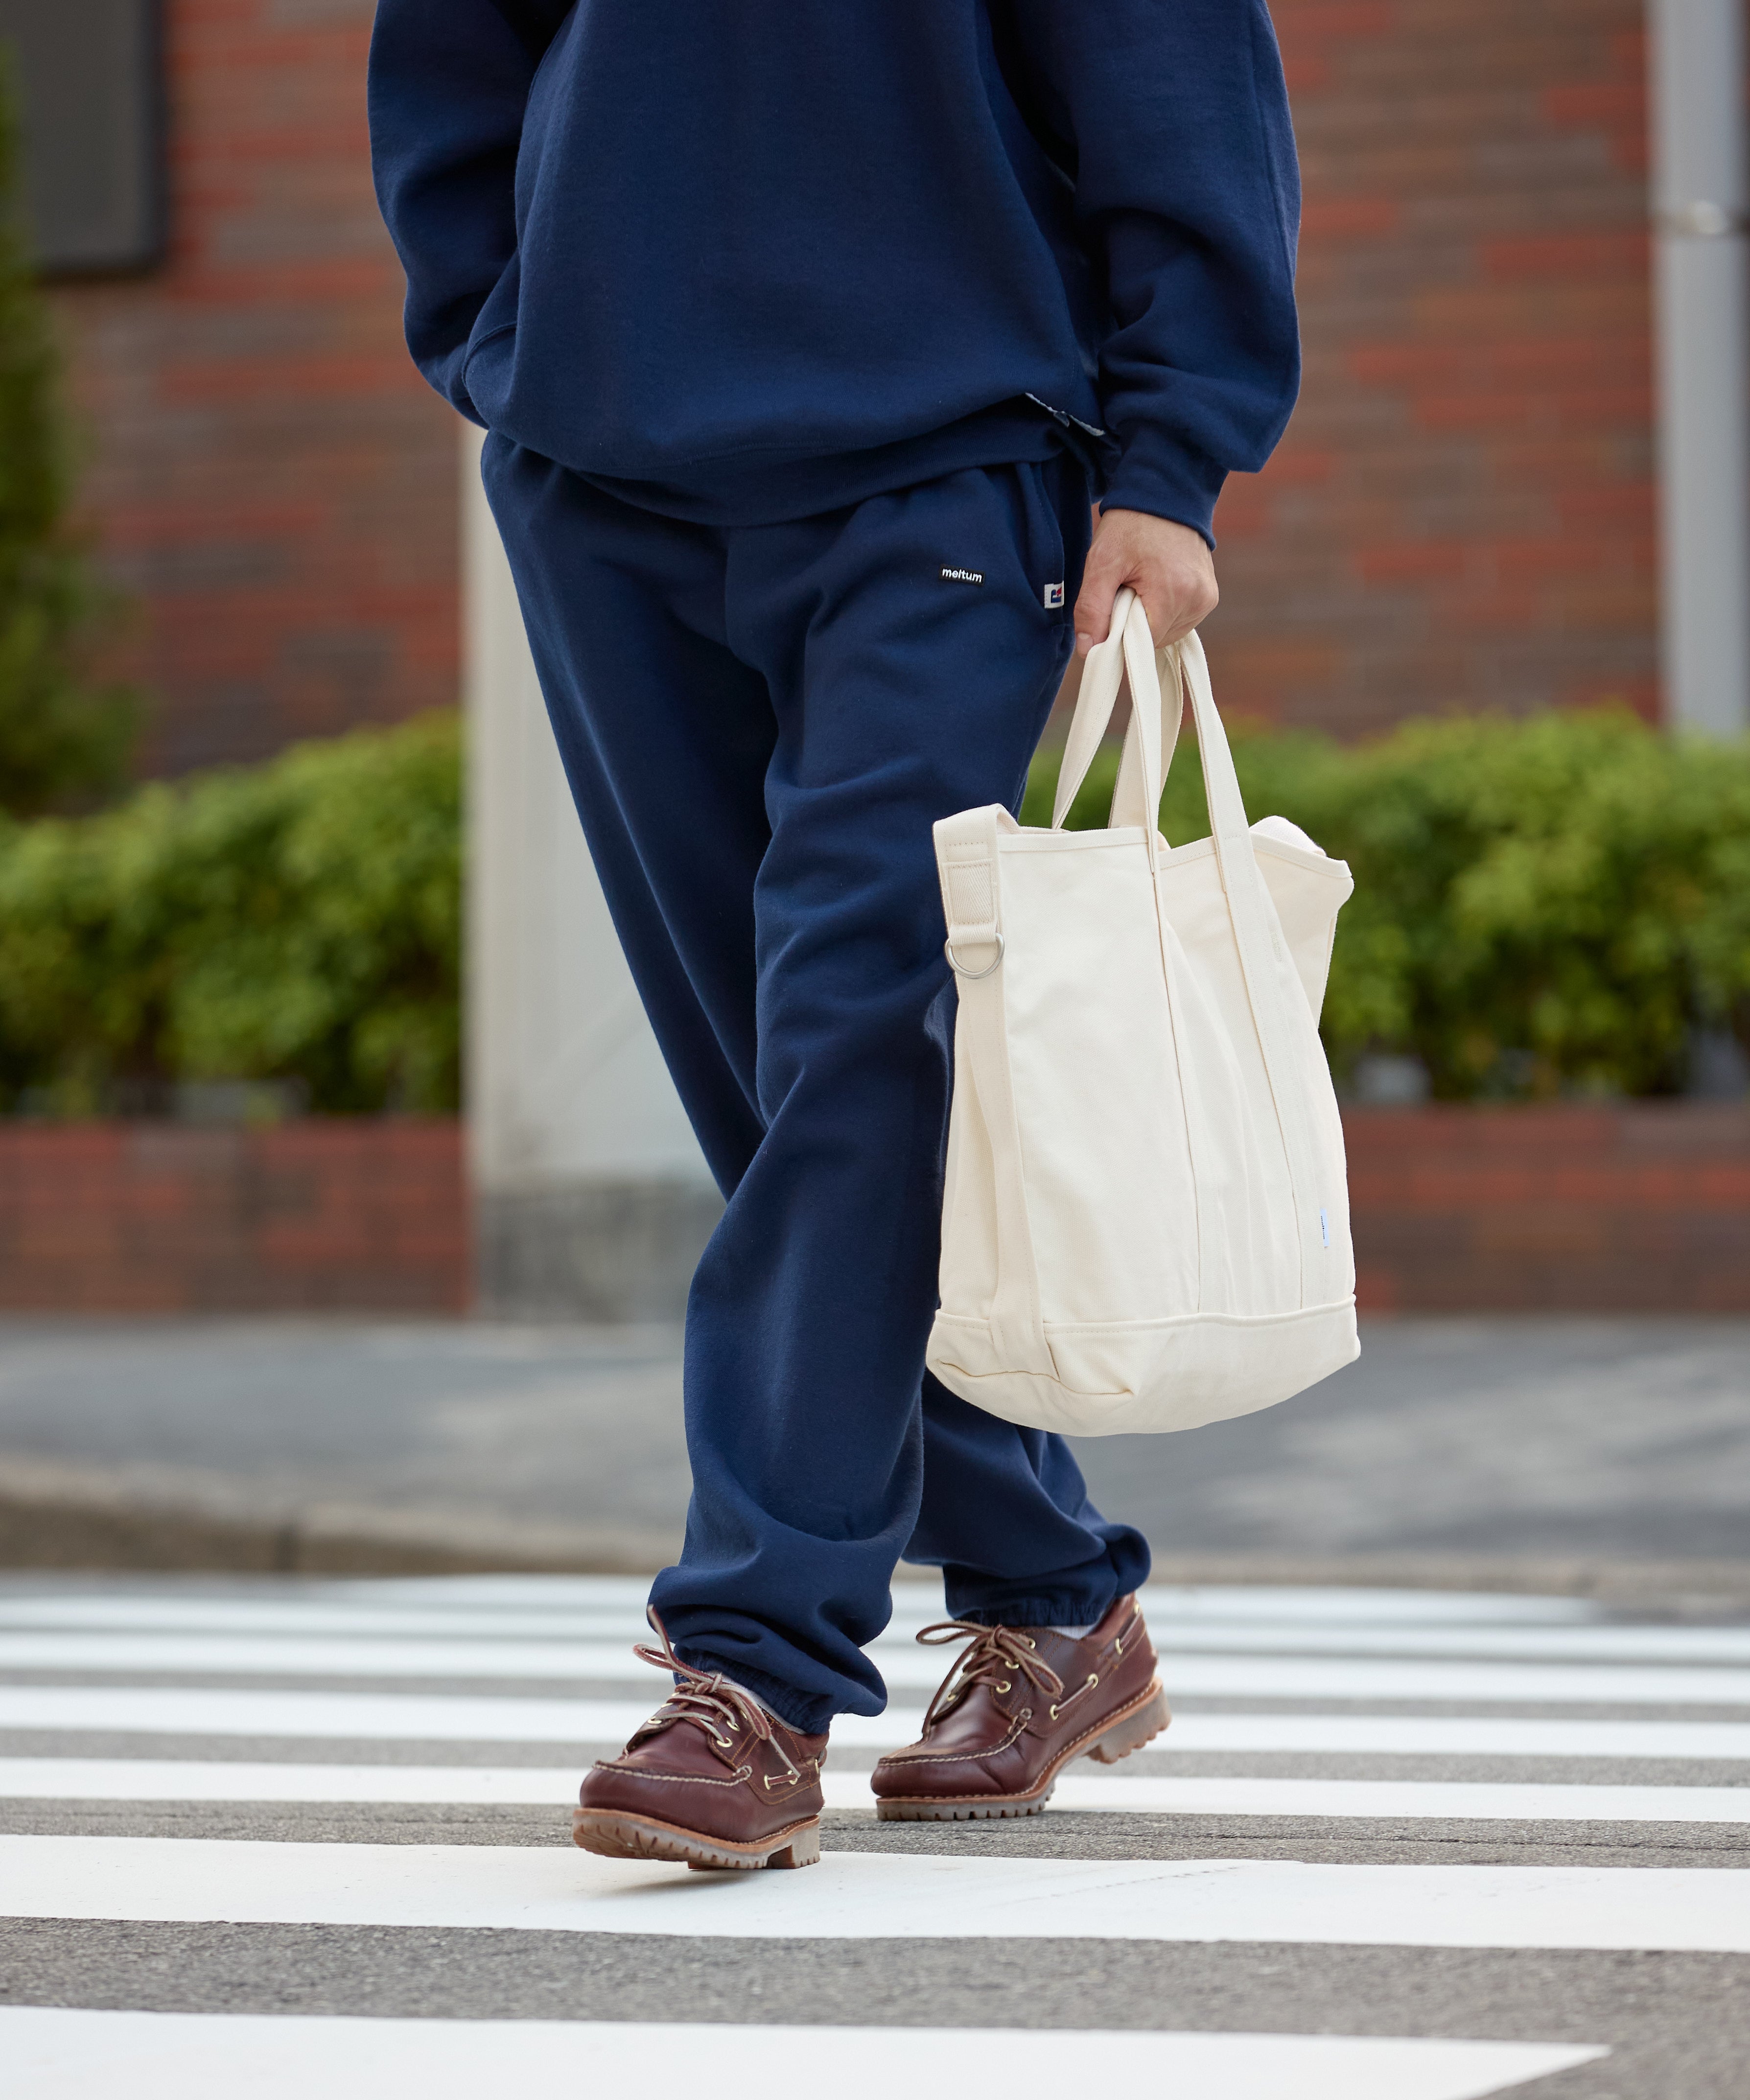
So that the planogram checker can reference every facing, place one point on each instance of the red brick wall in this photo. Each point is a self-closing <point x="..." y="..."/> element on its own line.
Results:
<point x="1639" y="1207"/>
<point x="1643" y="1206"/>
<point x="1461" y="513"/>
<point x="268" y="472"/>
<point x="316" y="1217"/>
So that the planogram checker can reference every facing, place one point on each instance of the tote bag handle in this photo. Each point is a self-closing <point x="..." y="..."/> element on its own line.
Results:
<point x="1147" y="746"/>
<point x="1151" y="739"/>
<point x="1101" y="676"/>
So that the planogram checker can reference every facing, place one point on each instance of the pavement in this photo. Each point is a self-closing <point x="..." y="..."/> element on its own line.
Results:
<point x="1455" y="1800"/>
<point x="1604" y="1456"/>
<point x="275" y="1834"/>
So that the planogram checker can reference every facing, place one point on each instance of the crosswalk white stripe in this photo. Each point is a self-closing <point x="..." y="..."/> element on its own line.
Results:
<point x="903" y="1666"/>
<point x="273" y="1631"/>
<point x="1404" y="1735"/>
<point x="415" y="1717"/>
<point x="1591" y="1644"/>
<point x="876" y="1896"/>
<point x="1284" y="1605"/>
<point x="1198" y="1618"/>
<point x="1402" y="1798"/>
<point x="629" y="1591"/>
<point x="162" y="1780"/>
<point x="270" y="1620"/>
<point x="1392" y="1800"/>
<point x="362" y="1715"/>
<point x="922" y="1599"/>
<point x="79" y="2055"/>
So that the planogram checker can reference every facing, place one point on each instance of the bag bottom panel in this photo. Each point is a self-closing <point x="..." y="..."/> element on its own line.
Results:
<point x="1148" y="1375"/>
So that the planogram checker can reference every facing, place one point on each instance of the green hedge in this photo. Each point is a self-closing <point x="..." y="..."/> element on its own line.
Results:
<point x="298" y="920"/>
<point x="1541" y="907"/>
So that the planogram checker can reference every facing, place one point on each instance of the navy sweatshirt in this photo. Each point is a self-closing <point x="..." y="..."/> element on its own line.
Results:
<point x="745" y="259"/>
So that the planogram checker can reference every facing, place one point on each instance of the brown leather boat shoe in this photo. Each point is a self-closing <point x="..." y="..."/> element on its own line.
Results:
<point x="711" y="1778"/>
<point x="1019" y="1704"/>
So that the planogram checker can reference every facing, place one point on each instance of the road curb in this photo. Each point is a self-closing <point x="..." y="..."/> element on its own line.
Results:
<point x="102" y="1535"/>
<point x="108" y="1535"/>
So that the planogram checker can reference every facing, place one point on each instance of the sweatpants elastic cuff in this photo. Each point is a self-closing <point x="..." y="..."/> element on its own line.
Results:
<point x="1023" y="1613"/>
<point x="808" y="1714"/>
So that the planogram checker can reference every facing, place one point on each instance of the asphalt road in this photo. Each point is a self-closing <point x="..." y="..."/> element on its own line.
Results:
<point x="1283" y="1874"/>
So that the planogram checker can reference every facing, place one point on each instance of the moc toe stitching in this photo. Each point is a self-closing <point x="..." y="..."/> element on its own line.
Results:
<point x="922" y="1757"/>
<point x="642" y="1773"/>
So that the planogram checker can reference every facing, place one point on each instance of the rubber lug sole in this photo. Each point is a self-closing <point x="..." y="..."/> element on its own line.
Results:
<point x="617" y="1836"/>
<point x="1130" y="1731"/>
<point x="1126" y="1731"/>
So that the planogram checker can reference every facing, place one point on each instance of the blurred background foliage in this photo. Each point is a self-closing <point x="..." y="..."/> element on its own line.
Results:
<point x="1556" y="905"/>
<point x="65" y="733"/>
<point x="1546" y="907"/>
<point x="298" y="922"/>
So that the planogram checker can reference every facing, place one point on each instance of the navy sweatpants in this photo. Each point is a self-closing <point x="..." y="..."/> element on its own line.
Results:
<point x="759" y="724"/>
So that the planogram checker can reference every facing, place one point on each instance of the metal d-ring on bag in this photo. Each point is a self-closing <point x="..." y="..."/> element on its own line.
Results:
<point x="1145" y="1224"/>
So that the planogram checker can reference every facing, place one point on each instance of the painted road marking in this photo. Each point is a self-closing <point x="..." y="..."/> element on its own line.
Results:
<point x="56" y="2054"/>
<point x="163" y="1780"/>
<point x="273" y="1622"/>
<point x="877" y="1896"/>
<point x="416" y="1717"/>
<point x="592" y="1607"/>
<point x="904" y="1667"/>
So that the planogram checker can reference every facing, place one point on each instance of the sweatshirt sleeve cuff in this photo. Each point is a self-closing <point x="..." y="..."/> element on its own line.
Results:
<point x="1160" y="475"/>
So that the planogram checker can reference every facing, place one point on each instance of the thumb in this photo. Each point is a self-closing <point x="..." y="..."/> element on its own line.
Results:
<point x="1093" y="617"/>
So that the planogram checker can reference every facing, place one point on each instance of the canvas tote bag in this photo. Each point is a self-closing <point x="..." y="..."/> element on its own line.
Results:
<point x="1145" y="1224"/>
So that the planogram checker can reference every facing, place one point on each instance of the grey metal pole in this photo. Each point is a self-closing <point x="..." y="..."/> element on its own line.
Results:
<point x="1701" y="286"/>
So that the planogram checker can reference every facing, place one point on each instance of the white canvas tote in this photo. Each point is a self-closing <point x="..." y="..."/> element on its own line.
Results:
<point x="1145" y="1224"/>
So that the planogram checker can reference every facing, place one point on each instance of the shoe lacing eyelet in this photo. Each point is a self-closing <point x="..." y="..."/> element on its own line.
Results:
<point x="1117" y="1647"/>
<point x="1005" y="1686"/>
<point x="1053" y="1713"/>
<point x="1030" y="1643"/>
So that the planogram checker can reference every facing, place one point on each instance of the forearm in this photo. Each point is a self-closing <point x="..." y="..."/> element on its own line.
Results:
<point x="1187" y="196"/>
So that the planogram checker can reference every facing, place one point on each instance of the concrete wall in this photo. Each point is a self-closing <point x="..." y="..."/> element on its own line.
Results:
<point x="591" y="1196"/>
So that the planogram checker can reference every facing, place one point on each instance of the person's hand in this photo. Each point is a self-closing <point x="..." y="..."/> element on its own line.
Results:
<point x="1167" y="565"/>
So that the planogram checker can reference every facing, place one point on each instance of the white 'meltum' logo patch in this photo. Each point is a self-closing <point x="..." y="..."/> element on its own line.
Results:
<point x="1054" y="597"/>
<point x="961" y="576"/>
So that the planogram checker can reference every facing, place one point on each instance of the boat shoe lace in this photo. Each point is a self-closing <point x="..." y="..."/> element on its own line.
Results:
<point x="707" y="1700"/>
<point x="997" y="1655"/>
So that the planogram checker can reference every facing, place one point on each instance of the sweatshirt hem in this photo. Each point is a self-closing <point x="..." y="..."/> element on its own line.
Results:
<point x="749" y="489"/>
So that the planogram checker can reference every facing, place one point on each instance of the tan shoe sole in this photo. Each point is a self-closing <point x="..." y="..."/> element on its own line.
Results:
<point x="1115" y="1737"/>
<point x="619" y="1836"/>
